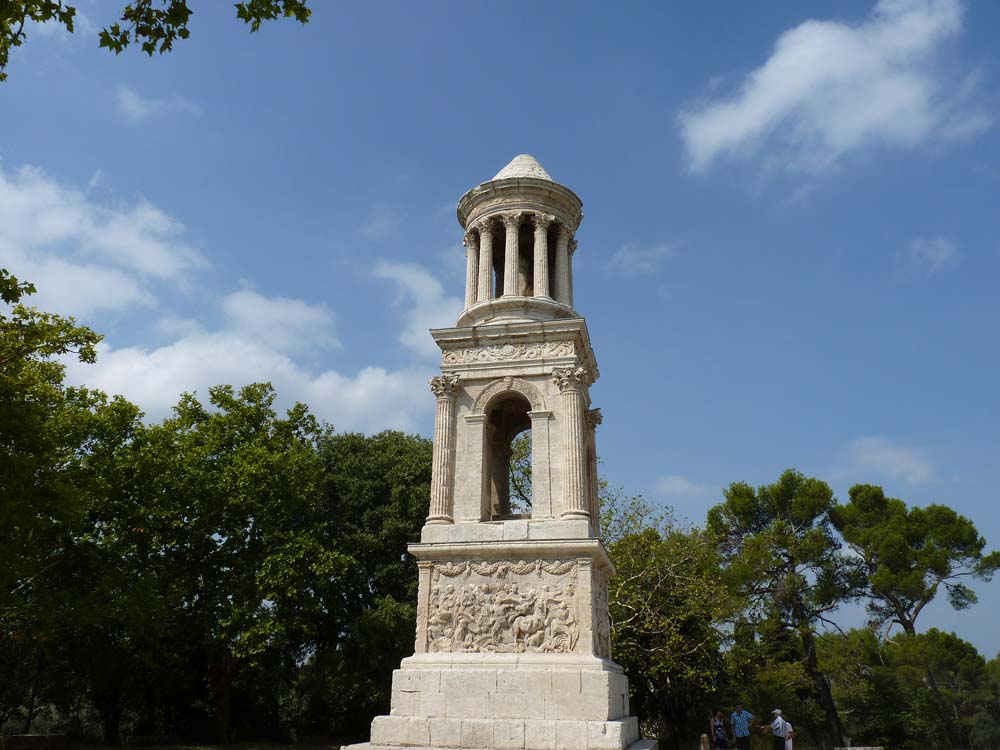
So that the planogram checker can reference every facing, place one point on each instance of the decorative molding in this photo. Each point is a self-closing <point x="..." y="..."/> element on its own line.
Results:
<point x="542" y="221"/>
<point x="508" y="352"/>
<point x="512" y="219"/>
<point x="568" y="378"/>
<point x="509" y="385"/>
<point x="503" y="606"/>
<point x="444" y="386"/>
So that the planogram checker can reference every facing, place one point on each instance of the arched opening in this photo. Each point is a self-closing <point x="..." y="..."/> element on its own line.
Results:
<point x="508" y="487"/>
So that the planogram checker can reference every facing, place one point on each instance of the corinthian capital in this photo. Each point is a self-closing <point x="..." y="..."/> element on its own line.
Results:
<point x="485" y="225"/>
<point x="542" y="221"/>
<point x="471" y="240"/>
<point x="594" y="418"/>
<point x="512" y="219"/>
<point x="444" y="386"/>
<point x="572" y="246"/>
<point x="569" y="378"/>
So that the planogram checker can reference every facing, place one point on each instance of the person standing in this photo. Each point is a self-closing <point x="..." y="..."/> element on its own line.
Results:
<point x="779" y="730"/>
<point x="720" y="740"/>
<point x="740" y="720"/>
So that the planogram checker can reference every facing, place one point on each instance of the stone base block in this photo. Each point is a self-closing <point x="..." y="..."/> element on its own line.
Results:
<point x="400" y="733"/>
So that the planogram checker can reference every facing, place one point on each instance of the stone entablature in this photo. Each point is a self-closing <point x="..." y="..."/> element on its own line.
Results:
<point x="546" y="343"/>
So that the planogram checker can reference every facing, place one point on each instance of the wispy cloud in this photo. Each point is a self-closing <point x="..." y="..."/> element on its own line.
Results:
<point x="675" y="487"/>
<point x="424" y="302"/>
<point x="877" y="458"/>
<point x="634" y="259"/>
<point x="830" y="88"/>
<point x="927" y="257"/>
<point x="87" y="255"/>
<point x="136" y="108"/>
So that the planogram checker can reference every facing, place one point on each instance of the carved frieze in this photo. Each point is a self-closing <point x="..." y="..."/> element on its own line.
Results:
<point x="602" y="619"/>
<point x="508" y="352"/>
<point x="503" y="607"/>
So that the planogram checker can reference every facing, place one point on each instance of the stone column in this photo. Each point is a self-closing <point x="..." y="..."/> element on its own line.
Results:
<point x="485" y="290"/>
<point x="512" y="223"/>
<point x="569" y="272"/>
<point x="541" y="285"/>
<point x="571" y="382"/>
<point x="562" y="265"/>
<point x="471" y="243"/>
<point x="593" y="418"/>
<point x="442" y="469"/>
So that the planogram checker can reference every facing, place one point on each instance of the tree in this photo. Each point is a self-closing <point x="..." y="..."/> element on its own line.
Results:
<point x="153" y="25"/>
<point x="781" y="555"/>
<point x="666" y="603"/>
<point x="229" y="499"/>
<point x="378" y="490"/>
<point x="52" y="438"/>
<point x="910" y="554"/>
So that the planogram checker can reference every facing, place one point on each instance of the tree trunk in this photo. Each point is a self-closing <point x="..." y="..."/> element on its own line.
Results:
<point x="111" y="719"/>
<point x="221" y="671"/>
<point x="29" y="716"/>
<point x="823" y="691"/>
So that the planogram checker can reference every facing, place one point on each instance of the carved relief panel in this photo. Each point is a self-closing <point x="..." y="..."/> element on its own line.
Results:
<point x="602" y="620"/>
<point x="508" y="352"/>
<point x="503" y="606"/>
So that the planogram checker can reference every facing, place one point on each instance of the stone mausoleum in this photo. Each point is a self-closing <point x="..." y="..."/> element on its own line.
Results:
<point x="513" y="647"/>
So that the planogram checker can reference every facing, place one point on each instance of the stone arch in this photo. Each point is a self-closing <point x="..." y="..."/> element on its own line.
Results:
<point x="508" y="385"/>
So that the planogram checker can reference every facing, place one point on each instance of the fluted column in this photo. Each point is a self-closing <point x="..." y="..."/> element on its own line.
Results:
<point x="485" y="290"/>
<point x="512" y="223"/>
<point x="442" y="469"/>
<point x="569" y="271"/>
<point x="562" y="265"/>
<point x="541" y="272"/>
<point x="571" y="382"/>
<point x="593" y="418"/>
<point x="471" y="243"/>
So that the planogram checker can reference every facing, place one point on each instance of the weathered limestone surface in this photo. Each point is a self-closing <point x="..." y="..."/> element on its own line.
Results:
<point x="513" y="647"/>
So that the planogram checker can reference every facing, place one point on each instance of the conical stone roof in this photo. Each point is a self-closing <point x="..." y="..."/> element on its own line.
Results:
<point x="523" y="165"/>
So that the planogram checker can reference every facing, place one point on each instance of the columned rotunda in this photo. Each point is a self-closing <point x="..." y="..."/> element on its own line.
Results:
<point x="513" y="647"/>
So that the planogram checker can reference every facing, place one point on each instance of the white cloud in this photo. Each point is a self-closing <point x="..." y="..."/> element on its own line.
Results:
<point x="84" y="255"/>
<point x="135" y="108"/>
<point x="373" y="399"/>
<point x="830" y="88"/>
<point x="633" y="259"/>
<point x="880" y="458"/>
<point x="926" y="257"/>
<point x="285" y="324"/>
<point x="425" y="304"/>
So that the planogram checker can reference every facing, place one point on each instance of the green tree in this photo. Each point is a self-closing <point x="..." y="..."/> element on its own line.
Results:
<point x="153" y="25"/>
<point x="910" y="554"/>
<point x="782" y="557"/>
<point x="52" y="438"/>
<point x="667" y="603"/>
<point x="230" y="495"/>
<point x="377" y="488"/>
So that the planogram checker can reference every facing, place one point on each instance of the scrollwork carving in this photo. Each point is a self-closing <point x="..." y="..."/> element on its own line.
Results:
<point x="503" y="606"/>
<point x="506" y="352"/>
<point x="594" y="418"/>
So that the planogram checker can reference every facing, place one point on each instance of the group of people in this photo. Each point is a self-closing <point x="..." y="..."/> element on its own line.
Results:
<point x="741" y="724"/>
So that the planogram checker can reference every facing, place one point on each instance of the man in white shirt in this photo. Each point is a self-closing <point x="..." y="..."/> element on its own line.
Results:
<point x="779" y="730"/>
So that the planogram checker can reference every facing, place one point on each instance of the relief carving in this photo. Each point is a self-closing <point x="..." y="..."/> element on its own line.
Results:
<point x="506" y="352"/>
<point x="602" y="619"/>
<point x="503" y="607"/>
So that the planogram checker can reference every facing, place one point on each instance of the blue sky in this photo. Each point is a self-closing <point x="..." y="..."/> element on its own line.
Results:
<point x="789" y="256"/>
